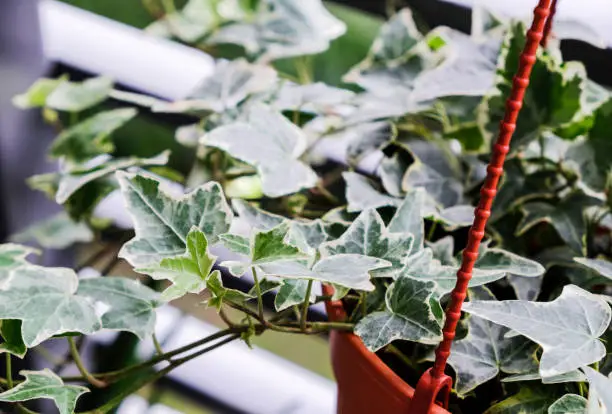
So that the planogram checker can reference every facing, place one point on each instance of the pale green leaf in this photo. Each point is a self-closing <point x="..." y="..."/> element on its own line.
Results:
<point x="255" y="217"/>
<point x="369" y="236"/>
<point x="45" y="384"/>
<point x="292" y="292"/>
<point x="317" y="98"/>
<point x="36" y="95"/>
<point x="274" y="245"/>
<point x="187" y="272"/>
<point x="75" y="178"/>
<point x="601" y="385"/>
<point x="56" y="232"/>
<point x="236" y="243"/>
<point x="485" y="351"/>
<point x="348" y="270"/>
<point x="569" y="404"/>
<point x="45" y="301"/>
<point x="162" y="222"/>
<point x="603" y="267"/>
<point x="220" y="293"/>
<point x="230" y="84"/>
<point x="412" y="313"/>
<point x="78" y="96"/>
<point x="567" y="328"/>
<point x="272" y="144"/>
<point x="408" y="217"/>
<point x="91" y="136"/>
<point x="124" y="304"/>
<point x="362" y="195"/>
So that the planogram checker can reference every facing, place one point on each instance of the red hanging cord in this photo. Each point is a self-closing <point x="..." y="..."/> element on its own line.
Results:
<point x="434" y="386"/>
<point x="549" y="22"/>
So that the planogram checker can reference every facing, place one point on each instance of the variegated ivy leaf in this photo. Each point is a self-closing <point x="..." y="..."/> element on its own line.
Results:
<point x="56" y="232"/>
<point x="569" y="404"/>
<point x="256" y="217"/>
<point x="92" y="136"/>
<point x="567" y="217"/>
<point x="75" y="178"/>
<point x="363" y="139"/>
<point x="220" y="293"/>
<point x="10" y="330"/>
<point x="283" y="28"/>
<point x="36" y="95"/>
<point x="485" y="352"/>
<point x="45" y="301"/>
<point x="362" y="195"/>
<point x="124" y="304"/>
<point x="292" y="292"/>
<point x="467" y="69"/>
<point x="369" y="236"/>
<point x="572" y="376"/>
<point x="272" y="144"/>
<point x="230" y="84"/>
<point x="187" y="272"/>
<point x="553" y="101"/>
<point x="602" y="386"/>
<point x="567" y="328"/>
<point x="45" y="384"/>
<point x="408" y="217"/>
<point x="348" y="270"/>
<point x="532" y="400"/>
<point x="264" y="247"/>
<point x="316" y="98"/>
<point x="603" y="267"/>
<point x="412" y="313"/>
<point x="162" y="222"/>
<point x="78" y="96"/>
<point x="236" y="243"/>
<point x="12" y="256"/>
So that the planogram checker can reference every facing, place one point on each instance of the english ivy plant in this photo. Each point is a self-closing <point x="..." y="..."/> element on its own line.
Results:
<point x="261" y="198"/>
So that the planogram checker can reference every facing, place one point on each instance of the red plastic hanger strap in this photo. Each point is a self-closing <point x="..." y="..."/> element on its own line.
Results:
<point x="549" y="23"/>
<point x="433" y="386"/>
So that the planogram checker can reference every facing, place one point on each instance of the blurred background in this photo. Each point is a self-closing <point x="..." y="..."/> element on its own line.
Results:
<point x="91" y="37"/>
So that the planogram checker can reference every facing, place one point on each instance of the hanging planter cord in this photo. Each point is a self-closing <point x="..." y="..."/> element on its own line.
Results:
<point x="434" y="386"/>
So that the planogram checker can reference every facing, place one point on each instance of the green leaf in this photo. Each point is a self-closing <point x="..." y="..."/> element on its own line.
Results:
<point x="569" y="404"/>
<point x="236" y="243"/>
<point x="187" y="272"/>
<point x="395" y="39"/>
<point x="603" y="267"/>
<point x="567" y="217"/>
<point x="369" y="236"/>
<point x="362" y="195"/>
<point x="274" y="245"/>
<point x="56" y="232"/>
<point x="162" y="222"/>
<point x="45" y="301"/>
<point x="292" y="292"/>
<point x="601" y="385"/>
<point x="11" y="256"/>
<point x="412" y="313"/>
<point x="272" y="144"/>
<point x="75" y="178"/>
<point x="10" y="329"/>
<point x="528" y="400"/>
<point x="91" y="136"/>
<point x="485" y="352"/>
<point x="348" y="270"/>
<point x="36" y="95"/>
<point x="230" y="84"/>
<point x="78" y="96"/>
<point x="408" y="217"/>
<point x="45" y="384"/>
<point x="255" y="217"/>
<point x="126" y="304"/>
<point x="567" y="328"/>
<point x="220" y="293"/>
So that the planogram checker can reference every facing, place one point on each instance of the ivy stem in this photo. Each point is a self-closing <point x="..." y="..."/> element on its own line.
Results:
<point x="432" y="230"/>
<point x="364" y="305"/>
<point x="325" y="193"/>
<point x="79" y="363"/>
<point x="304" y="314"/>
<point x="260" y="306"/>
<point x="157" y="345"/>
<point x="9" y="370"/>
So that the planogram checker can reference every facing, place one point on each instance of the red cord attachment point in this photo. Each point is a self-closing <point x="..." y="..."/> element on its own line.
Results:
<point x="431" y="390"/>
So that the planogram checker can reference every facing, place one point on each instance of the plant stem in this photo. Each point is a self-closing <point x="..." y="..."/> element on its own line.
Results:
<point x="260" y="307"/>
<point x="168" y="6"/>
<point x="364" y="304"/>
<point x="305" y="305"/>
<point x="157" y="345"/>
<point x="325" y="193"/>
<point x="110" y="266"/>
<point x="79" y="363"/>
<point x="91" y="260"/>
<point x="432" y="230"/>
<point x="9" y="370"/>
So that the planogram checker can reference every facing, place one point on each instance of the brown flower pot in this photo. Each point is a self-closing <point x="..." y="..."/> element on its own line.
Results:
<point x="366" y="385"/>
